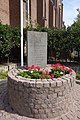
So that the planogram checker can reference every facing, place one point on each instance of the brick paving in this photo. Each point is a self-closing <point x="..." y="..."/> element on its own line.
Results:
<point x="77" y="98"/>
<point x="6" y="113"/>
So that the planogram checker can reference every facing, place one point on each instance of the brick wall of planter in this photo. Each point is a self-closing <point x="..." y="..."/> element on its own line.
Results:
<point x="41" y="99"/>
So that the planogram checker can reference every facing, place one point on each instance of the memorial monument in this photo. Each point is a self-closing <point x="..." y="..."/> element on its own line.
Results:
<point x="37" y="48"/>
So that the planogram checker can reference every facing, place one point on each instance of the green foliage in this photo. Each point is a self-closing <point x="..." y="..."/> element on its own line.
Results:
<point x="33" y="74"/>
<point x="61" y="42"/>
<point x="58" y="72"/>
<point x="78" y="15"/>
<point x="3" y="75"/>
<point x="78" y="75"/>
<point x="9" y="39"/>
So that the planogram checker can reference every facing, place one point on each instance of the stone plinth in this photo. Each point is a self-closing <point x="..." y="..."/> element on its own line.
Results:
<point x="41" y="99"/>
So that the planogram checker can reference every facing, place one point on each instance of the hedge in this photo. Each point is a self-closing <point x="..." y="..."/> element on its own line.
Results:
<point x="61" y="42"/>
<point x="9" y="40"/>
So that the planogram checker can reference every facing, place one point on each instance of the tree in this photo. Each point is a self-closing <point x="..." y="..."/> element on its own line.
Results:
<point x="78" y="16"/>
<point x="76" y="23"/>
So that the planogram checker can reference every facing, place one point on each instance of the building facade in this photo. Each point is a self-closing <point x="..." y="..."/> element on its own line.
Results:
<point x="10" y="12"/>
<point x="46" y="12"/>
<point x="4" y="11"/>
<point x="43" y="12"/>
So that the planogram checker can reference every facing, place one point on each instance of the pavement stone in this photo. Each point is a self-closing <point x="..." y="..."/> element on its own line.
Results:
<point x="7" y="113"/>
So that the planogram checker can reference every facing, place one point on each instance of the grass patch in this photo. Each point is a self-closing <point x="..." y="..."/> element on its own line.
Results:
<point x="3" y="75"/>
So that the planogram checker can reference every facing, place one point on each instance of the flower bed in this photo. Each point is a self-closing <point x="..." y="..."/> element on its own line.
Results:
<point x="52" y="71"/>
<point x="50" y="96"/>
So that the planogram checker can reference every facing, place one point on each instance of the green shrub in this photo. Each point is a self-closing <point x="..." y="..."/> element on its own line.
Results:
<point x="78" y="75"/>
<point x="3" y="75"/>
<point x="61" y="42"/>
<point x="9" y="39"/>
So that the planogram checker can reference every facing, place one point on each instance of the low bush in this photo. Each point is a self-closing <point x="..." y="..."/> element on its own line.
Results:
<point x="3" y="75"/>
<point x="78" y="75"/>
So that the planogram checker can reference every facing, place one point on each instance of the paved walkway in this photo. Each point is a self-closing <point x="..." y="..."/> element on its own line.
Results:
<point x="6" y="113"/>
<point x="77" y="98"/>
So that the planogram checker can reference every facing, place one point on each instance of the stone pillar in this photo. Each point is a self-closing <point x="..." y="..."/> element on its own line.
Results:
<point x="54" y="16"/>
<point x="24" y="14"/>
<point x="57" y="14"/>
<point x="33" y="11"/>
<point x="50" y="14"/>
<point x="61" y="15"/>
<point x="40" y="19"/>
<point x="44" y="2"/>
<point x="47" y="13"/>
<point x="44" y="12"/>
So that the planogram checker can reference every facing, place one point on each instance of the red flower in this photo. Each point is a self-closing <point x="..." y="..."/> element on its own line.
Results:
<point x="29" y="67"/>
<point x="47" y="72"/>
<point x="37" y="67"/>
<point x="42" y="76"/>
<point x="67" y="68"/>
<point x="52" y="65"/>
<point x="57" y="65"/>
<point x="62" y="67"/>
<point x="32" y="67"/>
<point x="52" y="75"/>
<point x="70" y="70"/>
<point x="42" y="70"/>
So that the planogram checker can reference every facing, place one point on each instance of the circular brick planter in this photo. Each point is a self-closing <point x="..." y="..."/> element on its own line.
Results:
<point x="41" y="99"/>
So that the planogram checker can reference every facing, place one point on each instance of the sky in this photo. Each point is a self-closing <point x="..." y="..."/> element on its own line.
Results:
<point x="70" y="12"/>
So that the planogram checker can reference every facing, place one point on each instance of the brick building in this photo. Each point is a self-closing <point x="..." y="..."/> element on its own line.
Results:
<point x="44" y="12"/>
<point x="10" y="12"/>
<point x="4" y="11"/>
